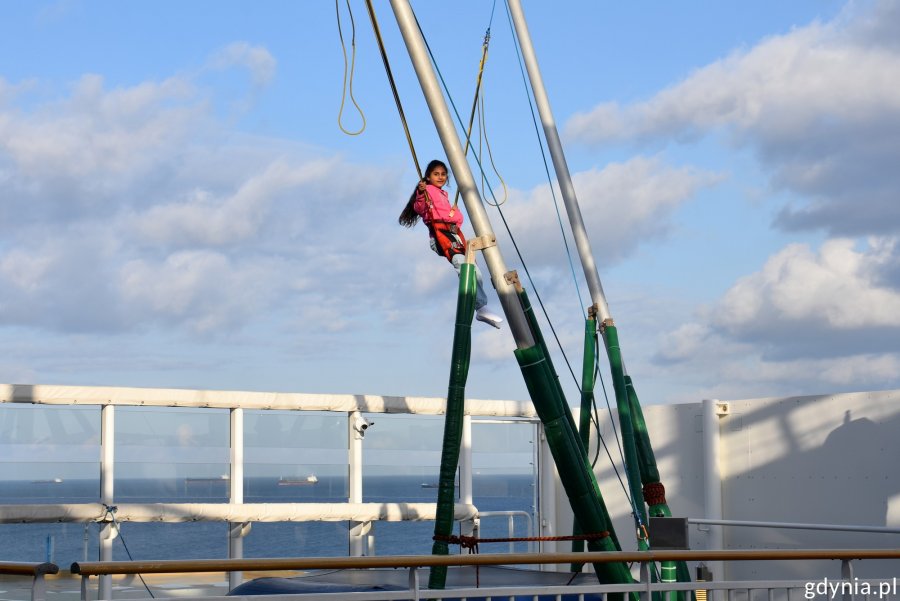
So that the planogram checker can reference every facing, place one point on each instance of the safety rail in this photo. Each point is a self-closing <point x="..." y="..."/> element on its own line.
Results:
<point x="37" y="571"/>
<point x="511" y="525"/>
<point x="645" y="586"/>
<point x="110" y="511"/>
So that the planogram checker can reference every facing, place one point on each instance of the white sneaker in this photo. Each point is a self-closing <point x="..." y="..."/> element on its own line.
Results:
<point x="487" y="316"/>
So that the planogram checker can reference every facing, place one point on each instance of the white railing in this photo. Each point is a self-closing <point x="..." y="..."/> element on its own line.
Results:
<point x="236" y="512"/>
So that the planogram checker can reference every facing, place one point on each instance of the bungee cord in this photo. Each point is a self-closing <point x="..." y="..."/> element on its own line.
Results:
<point x="482" y="127"/>
<point x="390" y="76"/>
<point x="344" y="87"/>
<point x="500" y="211"/>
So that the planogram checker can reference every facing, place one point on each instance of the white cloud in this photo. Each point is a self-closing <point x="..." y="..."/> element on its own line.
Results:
<point x="205" y="289"/>
<point x="816" y="104"/>
<point x="623" y="205"/>
<point x="125" y="210"/>
<point x="838" y="289"/>
<point x="256" y="59"/>
<point x="810" y="320"/>
<point x="99" y="131"/>
<point x="205" y="220"/>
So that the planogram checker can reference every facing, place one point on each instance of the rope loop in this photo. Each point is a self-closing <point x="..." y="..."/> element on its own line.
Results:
<point x="344" y="86"/>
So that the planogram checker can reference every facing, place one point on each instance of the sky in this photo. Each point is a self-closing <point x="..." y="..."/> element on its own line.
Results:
<point x="180" y="208"/>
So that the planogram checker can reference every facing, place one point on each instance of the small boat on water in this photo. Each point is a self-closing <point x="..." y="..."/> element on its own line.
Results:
<point x="308" y="481"/>
<point x="49" y="481"/>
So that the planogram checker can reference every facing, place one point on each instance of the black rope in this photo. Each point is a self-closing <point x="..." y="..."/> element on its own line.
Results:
<point x="503" y="218"/>
<point x="390" y="76"/>
<point x="111" y="512"/>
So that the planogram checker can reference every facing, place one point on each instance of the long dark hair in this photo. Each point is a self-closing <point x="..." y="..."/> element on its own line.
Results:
<point x="409" y="217"/>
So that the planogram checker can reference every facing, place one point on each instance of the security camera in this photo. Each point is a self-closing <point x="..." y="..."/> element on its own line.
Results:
<point x="361" y="424"/>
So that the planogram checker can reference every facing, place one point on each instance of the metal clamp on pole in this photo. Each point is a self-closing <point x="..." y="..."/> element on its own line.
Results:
<point x="479" y="243"/>
<point x="512" y="278"/>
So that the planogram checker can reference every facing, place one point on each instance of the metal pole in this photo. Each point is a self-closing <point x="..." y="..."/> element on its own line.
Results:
<point x="236" y="530"/>
<point x="465" y="469"/>
<point x="712" y="476"/>
<point x="518" y="323"/>
<point x="559" y="162"/>
<point x="358" y="530"/>
<point x="547" y="480"/>
<point x="107" y="465"/>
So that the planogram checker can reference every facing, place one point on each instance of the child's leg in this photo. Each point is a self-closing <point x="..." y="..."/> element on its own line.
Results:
<point x="480" y="296"/>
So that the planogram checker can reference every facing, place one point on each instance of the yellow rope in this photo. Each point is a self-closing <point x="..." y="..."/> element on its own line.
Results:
<point x="487" y="144"/>
<point x="484" y="53"/>
<point x="344" y="86"/>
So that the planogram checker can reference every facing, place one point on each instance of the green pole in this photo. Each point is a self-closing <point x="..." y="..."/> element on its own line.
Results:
<point x="632" y="469"/>
<point x="577" y="480"/>
<point x="453" y="423"/>
<point x="584" y="416"/>
<point x="541" y="344"/>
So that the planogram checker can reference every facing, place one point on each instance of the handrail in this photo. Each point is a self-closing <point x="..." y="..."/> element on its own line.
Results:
<point x="28" y="568"/>
<point x="794" y="526"/>
<point x="99" y="568"/>
<point x="50" y="394"/>
<point x="228" y="512"/>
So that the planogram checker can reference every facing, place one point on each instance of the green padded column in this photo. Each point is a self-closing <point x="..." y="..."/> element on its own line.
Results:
<point x="577" y="480"/>
<point x="564" y="406"/>
<point x="632" y="469"/>
<point x="584" y="416"/>
<point x="453" y="423"/>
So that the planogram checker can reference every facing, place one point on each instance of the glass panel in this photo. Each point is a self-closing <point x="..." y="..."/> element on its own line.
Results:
<point x="295" y="457"/>
<point x="403" y="445"/>
<point x="176" y="455"/>
<point x="503" y="480"/>
<point x="310" y="539"/>
<point x="49" y="454"/>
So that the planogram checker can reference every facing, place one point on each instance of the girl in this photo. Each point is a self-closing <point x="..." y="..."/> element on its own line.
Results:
<point x="429" y="201"/>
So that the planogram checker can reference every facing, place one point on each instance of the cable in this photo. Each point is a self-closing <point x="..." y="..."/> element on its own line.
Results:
<point x="544" y="158"/>
<point x="502" y="217"/>
<point x="390" y="75"/>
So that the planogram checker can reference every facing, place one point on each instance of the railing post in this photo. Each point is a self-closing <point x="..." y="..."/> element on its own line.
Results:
<point x="107" y="475"/>
<point x="236" y="531"/>
<point x="358" y="530"/>
<point x="713" y="410"/>
<point x="847" y="576"/>
<point x="414" y="583"/>
<point x="465" y="470"/>
<point x="38" y="588"/>
<point x="547" y="496"/>
<point x="645" y="579"/>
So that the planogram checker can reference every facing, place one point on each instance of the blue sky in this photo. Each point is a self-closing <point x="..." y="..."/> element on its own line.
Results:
<point x="178" y="207"/>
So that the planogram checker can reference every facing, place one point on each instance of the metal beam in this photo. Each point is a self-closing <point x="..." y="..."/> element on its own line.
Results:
<point x="515" y="316"/>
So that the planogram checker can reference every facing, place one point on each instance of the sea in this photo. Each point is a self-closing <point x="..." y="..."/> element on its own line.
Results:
<point x="64" y="544"/>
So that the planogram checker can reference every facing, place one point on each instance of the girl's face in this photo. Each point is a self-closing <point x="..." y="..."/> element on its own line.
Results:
<point x="437" y="177"/>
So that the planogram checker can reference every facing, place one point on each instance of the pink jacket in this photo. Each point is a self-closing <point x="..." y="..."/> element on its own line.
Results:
<point x="440" y="208"/>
